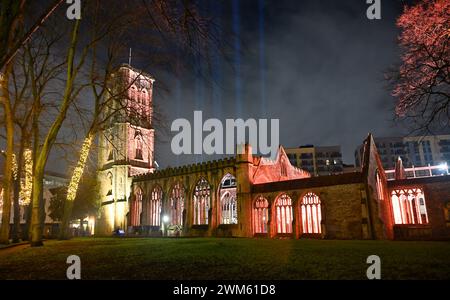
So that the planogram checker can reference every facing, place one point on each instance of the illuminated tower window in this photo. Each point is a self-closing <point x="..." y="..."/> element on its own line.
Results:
<point x="261" y="215"/>
<point x="311" y="214"/>
<point x="283" y="210"/>
<point x="202" y="202"/>
<point x="409" y="206"/>
<point x="138" y="146"/>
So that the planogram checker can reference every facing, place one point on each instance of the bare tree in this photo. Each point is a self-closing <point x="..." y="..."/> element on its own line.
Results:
<point x="14" y="37"/>
<point x="422" y="82"/>
<point x="176" y="25"/>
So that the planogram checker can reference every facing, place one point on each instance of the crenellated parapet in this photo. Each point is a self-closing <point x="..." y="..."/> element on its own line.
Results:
<point x="188" y="169"/>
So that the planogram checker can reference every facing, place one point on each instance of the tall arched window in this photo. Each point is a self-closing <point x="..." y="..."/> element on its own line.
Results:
<point x="143" y="108"/>
<point x="176" y="205"/>
<point x="261" y="215"/>
<point x="283" y="210"/>
<point x="154" y="209"/>
<point x="109" y="194"/>
<point x="228" y="203"/>
<point x="138" y="146"/>
<point x="380" y="187"/>
<point x="133" y="91"/>
<point x="409" y="206"/>
<point x="136" y="208"/>
<point x="311" y="214"/>
<point x="202" y="202"/>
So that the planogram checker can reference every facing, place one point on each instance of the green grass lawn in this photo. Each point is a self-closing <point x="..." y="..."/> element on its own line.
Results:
<point x="212" y="258"/>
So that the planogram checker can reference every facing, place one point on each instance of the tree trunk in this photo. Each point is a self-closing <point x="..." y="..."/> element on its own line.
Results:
<point x="36" y="226"/>
<point x="7" y="172"/>
<point x="17" y="181"/>
<point x="35" y="229"/>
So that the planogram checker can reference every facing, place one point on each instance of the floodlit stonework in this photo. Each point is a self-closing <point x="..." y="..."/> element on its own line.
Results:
<point x="125" y="145"/>
<point x="251" y="196"/>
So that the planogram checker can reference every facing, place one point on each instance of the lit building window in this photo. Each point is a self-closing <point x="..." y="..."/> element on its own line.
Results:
<point x="136" y="209"/>
<point x="202" y="202"/>
<point x="228" y="203"/>
<point x="109" y="194"/>
<point x="133" y="93"/>
<point x="229" y="211"/>
<point x="177" y="205"/>
<point x="380" y="187"/>
<point x="283" y="210"/>
<point x="409" y="206"/>
<point x="138" y="146"/>
<point x="154" y="207"/>
<point x="311" y="214"/>
<point x="447" y="213"/>
<point x="143" y="103"/>
<point x="261" y="215"/>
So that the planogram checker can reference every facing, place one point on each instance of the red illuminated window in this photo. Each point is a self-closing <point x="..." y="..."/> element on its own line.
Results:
<point x="409" y="206"/>
<point x="283" y="210"/>
<point x="154" y="207"/>
<point x="177" y="205"/>
<point x="380" y="187"/>
<point x="311" y="214"/>
<point x="261" y="215"/>
<point x="202" y="202"/>
<point x="136" y="209"/>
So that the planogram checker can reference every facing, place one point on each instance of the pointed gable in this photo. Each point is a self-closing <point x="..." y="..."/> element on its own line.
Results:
<point x="280" y="169"/>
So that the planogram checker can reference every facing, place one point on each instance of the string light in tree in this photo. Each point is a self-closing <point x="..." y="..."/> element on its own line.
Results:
<point x="27" y="183"/>
<point x="14" y="167"/>
<point x="78" y="171"/>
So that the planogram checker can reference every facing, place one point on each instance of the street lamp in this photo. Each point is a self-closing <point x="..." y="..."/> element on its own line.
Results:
<point x="166" y="219"/>
<point x="444" y="167"/>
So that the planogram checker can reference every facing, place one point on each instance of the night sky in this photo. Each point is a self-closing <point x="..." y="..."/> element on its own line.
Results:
<point x="317" y="65"/>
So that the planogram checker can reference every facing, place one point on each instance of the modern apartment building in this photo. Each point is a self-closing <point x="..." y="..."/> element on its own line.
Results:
<point x="319" y="161"/>
<point x="417" y="151"/>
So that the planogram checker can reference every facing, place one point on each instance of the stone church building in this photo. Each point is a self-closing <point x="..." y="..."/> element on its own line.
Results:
<point x="251" y="196"/>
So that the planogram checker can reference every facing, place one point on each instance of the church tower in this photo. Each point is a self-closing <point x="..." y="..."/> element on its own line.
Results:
<point x="126" y="144"/>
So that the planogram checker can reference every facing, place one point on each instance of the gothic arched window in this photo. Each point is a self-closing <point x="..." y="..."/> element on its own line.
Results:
<point x="136" y="208"/>
<point x="154" y="207"/>
<point x="176" y="205"/>
<point x="228" y="203"/>
<point x="109" y="177"/>
<point x="380" y="187"/>
<point x="409" y="206"/>
<point x="202" y="202"/>
<point x="133" y="93"/>
<point x="138" y="146"/>
<point x="311" y="214"/>
<point x="261" y="215"/>
<point x="143" y="102"/>
<point x="283" y="211"/>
